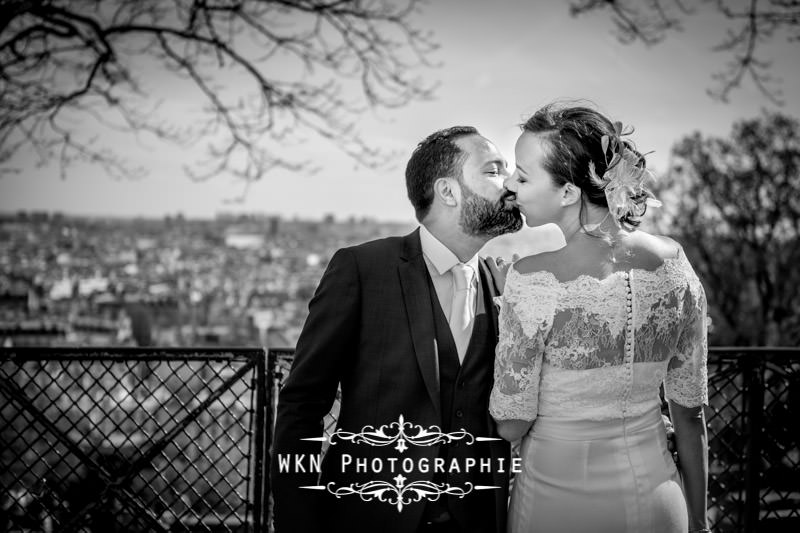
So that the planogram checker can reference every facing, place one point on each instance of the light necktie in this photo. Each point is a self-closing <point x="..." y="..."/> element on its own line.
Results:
<point x="462" y="312"/>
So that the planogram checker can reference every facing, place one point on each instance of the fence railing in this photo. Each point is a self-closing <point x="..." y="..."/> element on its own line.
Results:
<point x="117" y="439"/>
<point x="107" y="440"/>
<point x="754" y="439"/>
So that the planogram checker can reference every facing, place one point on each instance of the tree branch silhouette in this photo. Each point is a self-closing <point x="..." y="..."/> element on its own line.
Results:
<point x="752" y="23"/>
<point x="269" y="71"/>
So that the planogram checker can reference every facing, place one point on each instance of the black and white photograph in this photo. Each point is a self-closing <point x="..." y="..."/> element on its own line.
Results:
<point x="399" y="266"/>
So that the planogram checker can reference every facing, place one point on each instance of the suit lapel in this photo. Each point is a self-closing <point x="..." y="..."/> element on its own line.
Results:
<point x="416" y="295"/>
<point x="491" y="291"/>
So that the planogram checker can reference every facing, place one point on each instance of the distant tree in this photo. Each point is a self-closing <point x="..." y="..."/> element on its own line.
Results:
<point x="752" y="23"/>
<point x="735" y="206"/>
<point x="269" y="71"/>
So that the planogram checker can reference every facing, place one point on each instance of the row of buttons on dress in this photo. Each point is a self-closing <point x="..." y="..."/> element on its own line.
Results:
<point x="629" y="342"/>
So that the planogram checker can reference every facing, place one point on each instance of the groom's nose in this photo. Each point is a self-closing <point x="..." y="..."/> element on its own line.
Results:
<point x="508" y="183"/>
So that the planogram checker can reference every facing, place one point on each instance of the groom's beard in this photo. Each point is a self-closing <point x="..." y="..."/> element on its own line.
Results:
<point x="485" y="218"/>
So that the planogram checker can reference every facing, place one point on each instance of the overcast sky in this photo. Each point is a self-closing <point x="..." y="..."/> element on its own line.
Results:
<point x="499" y="62"/>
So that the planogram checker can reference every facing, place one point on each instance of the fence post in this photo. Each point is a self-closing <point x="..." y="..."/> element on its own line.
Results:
<point x="754" y="379"/>
<point x="261" y="476"/>
<point x="270" y="405"/>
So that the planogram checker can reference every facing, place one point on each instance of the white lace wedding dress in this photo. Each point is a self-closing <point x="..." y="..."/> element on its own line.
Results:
<point x="584" y="360"/>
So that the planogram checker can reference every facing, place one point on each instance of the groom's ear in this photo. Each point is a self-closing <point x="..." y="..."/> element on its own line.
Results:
<point x="570" y="194"/>
<point x="445" y="190"/>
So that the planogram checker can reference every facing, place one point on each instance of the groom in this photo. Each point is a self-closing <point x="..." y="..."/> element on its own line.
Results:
<point x="406" y="327"/>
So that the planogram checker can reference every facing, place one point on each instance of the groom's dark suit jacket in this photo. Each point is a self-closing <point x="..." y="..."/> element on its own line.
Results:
<point x="375" y="326"/>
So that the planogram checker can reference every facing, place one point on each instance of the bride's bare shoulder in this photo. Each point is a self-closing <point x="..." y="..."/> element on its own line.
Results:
<point x="545" y="261"/>
<point x="649" y="251"/>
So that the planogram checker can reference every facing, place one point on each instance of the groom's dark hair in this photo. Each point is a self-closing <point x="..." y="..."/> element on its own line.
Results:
<point x="435" y="157"/>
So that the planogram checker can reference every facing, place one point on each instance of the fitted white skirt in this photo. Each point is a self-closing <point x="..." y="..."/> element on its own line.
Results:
<point x="597" y="476"/>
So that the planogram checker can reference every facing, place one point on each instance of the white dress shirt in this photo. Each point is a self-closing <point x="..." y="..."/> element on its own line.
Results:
<point x="439" y="260"/>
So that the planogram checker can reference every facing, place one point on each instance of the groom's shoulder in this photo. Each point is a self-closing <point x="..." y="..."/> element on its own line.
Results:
<point x="378" y="248"/>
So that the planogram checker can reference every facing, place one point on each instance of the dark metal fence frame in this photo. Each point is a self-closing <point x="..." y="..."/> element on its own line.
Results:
<point x="252" y="361"/>
<point x="740" y="397"/>
<point x="743" y="369"/>
<point x="738" y="383"/>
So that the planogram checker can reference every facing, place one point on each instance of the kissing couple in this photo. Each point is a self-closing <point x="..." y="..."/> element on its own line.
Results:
<point x="443" y="358"/>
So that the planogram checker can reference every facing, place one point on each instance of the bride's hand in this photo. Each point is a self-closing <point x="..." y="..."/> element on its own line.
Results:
<point x="499" y="268"/>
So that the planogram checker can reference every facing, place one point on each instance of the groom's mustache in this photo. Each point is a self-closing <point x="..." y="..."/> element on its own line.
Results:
<point x="508" y="199"/>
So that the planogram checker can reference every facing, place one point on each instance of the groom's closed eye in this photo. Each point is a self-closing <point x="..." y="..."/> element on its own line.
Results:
<point x="494" y="168"/>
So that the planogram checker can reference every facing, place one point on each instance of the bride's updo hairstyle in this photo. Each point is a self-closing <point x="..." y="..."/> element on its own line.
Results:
<point x="586" y="149"/>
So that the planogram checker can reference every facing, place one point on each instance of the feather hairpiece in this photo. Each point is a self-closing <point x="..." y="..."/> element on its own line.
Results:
<point x="624" y="178"/>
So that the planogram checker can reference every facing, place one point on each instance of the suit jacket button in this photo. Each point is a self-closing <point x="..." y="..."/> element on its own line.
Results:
<point x="459" y="413"/>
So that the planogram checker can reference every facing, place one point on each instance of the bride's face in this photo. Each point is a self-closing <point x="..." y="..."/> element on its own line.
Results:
<point x="537" y="196"/>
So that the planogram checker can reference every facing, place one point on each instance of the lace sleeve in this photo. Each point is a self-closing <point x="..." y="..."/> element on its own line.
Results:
<point x="686" y="382"/>
<point x="518" y="359"/>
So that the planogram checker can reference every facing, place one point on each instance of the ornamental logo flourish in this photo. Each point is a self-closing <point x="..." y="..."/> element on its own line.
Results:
<point x="401" y="435"/>
<point x="401" y="432"/>
<point x="399" y="494"/>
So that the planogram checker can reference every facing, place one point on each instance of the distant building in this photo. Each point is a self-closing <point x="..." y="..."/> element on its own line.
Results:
<point x="91" y="331"/>
<point x="244" y="241"/>
<point x="32" y="333"/>
<point x="274" y="226"/>
<point x="266" y="299"/>
<point x="13" y="303"/>
<point x="89" y="286"/>
<point x="62" y="289"/>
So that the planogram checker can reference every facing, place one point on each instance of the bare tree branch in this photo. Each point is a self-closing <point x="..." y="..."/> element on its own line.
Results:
<point x="753" y="22"/>
<point x="268" y="71"/>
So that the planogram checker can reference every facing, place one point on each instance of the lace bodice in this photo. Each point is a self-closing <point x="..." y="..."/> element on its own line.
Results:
<point x="599" y="348"/>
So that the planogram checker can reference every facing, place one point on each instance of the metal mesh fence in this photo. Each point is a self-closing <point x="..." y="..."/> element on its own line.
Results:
<point x="131" y="440"/>
<point x="754" y="445"/>
<point x="174" y="440"/>
<point x="726" y="421"/>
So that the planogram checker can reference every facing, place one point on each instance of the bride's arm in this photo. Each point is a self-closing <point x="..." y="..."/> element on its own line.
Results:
<point x="686" y="386"/>
<point x="692" y="443"/>
<point x="514" y="400"/>
<point x="512" y="430"/>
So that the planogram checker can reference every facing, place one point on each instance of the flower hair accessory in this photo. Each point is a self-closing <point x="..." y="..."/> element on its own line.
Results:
<point x="623" y="180"/>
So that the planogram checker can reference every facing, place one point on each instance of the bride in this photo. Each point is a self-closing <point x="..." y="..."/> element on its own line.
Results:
<point x="587" y="335"/>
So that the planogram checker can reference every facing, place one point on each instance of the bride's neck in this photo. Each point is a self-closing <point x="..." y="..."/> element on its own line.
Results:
<point x="596" y="221"/>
